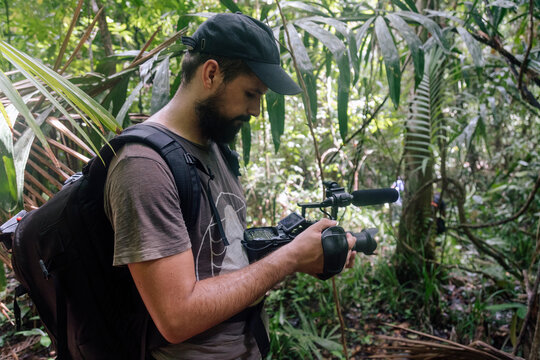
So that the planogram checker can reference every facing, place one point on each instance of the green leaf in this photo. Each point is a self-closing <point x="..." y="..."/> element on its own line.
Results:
<point x="337" y="48"/>
<point x="412" y="5"/>
<point x="343" y="117"/>
<point x="303" y="7"/>
<point x="433" y="28"/>
<point x="3" y="280"/>
<point x="275" y="105"/>
<point x="415" y="45"/>
<point x="349" y="35"/>
<point x="8" y="179"/>
<point x="45" y="341"/>
<point x="391" y="59"/>
<point x="231" y="5"/>
<point x="13" y="95"/>
<point x="161" y="86"/>
<point x="246" y="141"/>
<point x="400" y="5"/>
<point x="300" y="52"/>
<point x="29" y="74"/>
<point x="21" y="150"/>
<point x="362" y="32"/>
<point x="473" y="46"/>
<point x="71" y="93"/>
<point x="306" y="70"/>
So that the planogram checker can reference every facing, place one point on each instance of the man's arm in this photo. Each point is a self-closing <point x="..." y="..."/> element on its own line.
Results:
<point x="182" y="307"/>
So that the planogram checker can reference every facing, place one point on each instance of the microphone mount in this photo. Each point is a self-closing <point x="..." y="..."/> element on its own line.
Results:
<point x="337" y="197"/>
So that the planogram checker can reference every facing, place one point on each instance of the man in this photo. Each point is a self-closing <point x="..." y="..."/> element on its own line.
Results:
<point x="193" y="284"/>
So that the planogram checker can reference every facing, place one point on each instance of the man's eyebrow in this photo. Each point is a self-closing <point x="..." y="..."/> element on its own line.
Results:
<point x="259" y="91"/>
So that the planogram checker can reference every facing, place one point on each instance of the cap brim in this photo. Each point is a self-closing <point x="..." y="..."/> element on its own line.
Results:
<point x="273" y="76"/>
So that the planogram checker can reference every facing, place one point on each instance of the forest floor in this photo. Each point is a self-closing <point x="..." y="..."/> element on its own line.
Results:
<point x="377" y="336"/>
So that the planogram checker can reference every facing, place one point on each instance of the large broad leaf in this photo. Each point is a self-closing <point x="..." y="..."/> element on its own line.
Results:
<point x="8" y="179"/>
<point x="415" y="45"/>
<point x="246" y="141"/>
<point x="81" y="102"/>
<point x="275" y="104"/>
<point x="13" y="95"/>
<point x="343" y="29"/>
<point x="161" y="86"/>
<point x="472" y="45"/>
<point x="21" y="149"/>
<point x="391" y="58"/>
<point x="306" y="70"/>
<point x="337" y="48"/>
<point x="34" y="78"/>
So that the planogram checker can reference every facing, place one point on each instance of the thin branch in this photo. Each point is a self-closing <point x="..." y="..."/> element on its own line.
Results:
<point x="81" y="42"/>
<point x="68" y="35"/>
<point x="531" y="299"/>
<point x="523" y="66"/>
<point x="496" y="45"/>
<point x="511" y="218"/>
<point x="147" y="44"/>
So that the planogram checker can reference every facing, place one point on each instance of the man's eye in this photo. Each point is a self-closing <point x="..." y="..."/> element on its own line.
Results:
<point x="250" y="95"/>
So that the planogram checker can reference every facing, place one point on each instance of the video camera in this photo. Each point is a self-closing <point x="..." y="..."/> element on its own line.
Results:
<point x="260" y="241"/>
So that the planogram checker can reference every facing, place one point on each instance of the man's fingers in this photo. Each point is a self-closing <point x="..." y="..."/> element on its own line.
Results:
<point x="351" y="240"/>
<point x="323" y="224"/>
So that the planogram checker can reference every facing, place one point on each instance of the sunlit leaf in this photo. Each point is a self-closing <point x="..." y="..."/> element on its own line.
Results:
<point x="63" y="87"/>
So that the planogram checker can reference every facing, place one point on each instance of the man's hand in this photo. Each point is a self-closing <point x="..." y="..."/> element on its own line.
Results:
<point x="308" y="250"/>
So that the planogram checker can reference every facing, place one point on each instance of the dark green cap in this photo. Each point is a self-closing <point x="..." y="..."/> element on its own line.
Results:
<point x="243" y="37"/>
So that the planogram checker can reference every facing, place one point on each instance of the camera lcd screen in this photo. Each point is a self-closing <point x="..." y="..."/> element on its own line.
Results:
<point x="265" y="233"/>
<point x="291" y="221"/>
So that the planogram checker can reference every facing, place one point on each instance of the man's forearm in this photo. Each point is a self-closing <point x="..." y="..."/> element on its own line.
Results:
<point x="183" y="310"/>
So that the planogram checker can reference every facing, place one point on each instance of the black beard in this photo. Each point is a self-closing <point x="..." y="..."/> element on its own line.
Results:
<point x="214" y="125"/>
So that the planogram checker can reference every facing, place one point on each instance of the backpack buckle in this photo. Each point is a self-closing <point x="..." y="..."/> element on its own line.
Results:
<point x="189" y="158"/>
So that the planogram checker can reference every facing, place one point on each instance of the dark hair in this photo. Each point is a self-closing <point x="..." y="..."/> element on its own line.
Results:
<point x="229" y="67"/>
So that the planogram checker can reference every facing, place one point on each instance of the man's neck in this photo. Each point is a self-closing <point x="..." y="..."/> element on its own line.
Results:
<point x="179" y="116"/>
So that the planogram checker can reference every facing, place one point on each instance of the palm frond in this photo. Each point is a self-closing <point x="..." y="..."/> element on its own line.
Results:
<point x="425" y="121"/>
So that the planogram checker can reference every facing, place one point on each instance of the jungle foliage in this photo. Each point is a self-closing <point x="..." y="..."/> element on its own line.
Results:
<point x="443" y="98"/>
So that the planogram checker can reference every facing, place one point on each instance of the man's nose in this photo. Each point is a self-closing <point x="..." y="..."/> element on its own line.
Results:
<point x="255" y="108"/>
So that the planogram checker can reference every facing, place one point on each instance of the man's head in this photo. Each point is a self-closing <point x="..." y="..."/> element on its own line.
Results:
<point x="240" y="37"/>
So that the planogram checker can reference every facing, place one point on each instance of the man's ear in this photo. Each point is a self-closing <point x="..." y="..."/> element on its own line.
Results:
<point x="211" y="75"/>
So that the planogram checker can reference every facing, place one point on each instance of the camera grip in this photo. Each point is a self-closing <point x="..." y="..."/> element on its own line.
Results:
<point x="335" y="250"/>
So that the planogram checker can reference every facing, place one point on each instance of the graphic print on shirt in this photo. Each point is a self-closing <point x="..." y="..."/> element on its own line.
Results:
<point x="223" y="259"/>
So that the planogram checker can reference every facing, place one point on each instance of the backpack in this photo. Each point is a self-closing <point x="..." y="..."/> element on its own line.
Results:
<point x="62" y="255"/>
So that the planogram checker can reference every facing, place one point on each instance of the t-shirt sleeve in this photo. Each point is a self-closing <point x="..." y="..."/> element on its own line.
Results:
<point x="142" y="203"/>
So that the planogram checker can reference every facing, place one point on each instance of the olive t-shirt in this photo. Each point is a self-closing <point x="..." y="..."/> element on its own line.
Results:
<point x="143" y="205"/>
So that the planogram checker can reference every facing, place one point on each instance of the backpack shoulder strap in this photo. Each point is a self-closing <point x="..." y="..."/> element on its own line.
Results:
<point x="181" y="163"/>
<point x="231" y="157"/>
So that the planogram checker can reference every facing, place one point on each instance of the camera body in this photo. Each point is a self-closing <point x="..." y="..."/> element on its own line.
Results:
<point x="260" y="241"/>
